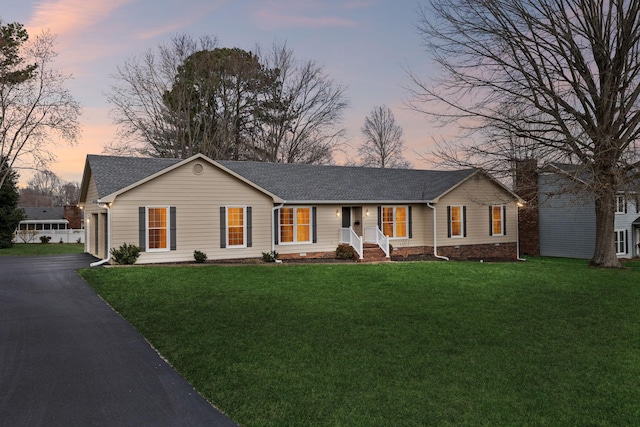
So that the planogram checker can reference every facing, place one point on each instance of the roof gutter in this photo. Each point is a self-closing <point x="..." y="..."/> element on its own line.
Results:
<point x="106" y="206"/>
<point x="435" y="239"/>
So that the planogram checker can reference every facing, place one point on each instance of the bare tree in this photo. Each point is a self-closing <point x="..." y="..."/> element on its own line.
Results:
<point x="146" y="124"/>
<point x="561" y="78"/>
<point x="46" y="189"/>
<point x="383" y="145"/>
<point x="44" y="185"/>
<point x="301" y="118"/>
<point x="227" y="104"/>
<point x="35" y="106"/>
<point x="68" y="194"/>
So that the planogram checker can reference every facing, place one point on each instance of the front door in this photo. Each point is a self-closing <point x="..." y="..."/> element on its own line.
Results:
<point x="352" y="217"/>
<point x="346" y="217"/>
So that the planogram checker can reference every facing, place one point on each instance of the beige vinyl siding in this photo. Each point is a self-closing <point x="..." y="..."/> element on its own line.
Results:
<point x="197" y="199"/>
<point x="329" y="225"/>
<point x="422" y="227"/>
<point x="477" y="194"/>
<point x="328" y="231"/>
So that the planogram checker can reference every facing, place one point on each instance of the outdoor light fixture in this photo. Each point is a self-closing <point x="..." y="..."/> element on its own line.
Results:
<point x="367" y="212"/>
<point x="337" y="212"/>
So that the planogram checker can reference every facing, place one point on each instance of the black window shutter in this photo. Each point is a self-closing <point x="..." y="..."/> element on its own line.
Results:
<point x="490" y="220"/>
<point x="626" y="241"/>
<point x="448" y="221"/>
<point x="504" y="220"/>
<point x="223" y="227"/>
<point x="142" y="228"/>
<point x="380" y="217"/>
<point x="172" y="227"/>
<point x="276" y="226"/>
<point x="314" y="226"/>
<point x="249" y="241"/>
<point x="464" y="221"/>
<point x="410" y="223"/>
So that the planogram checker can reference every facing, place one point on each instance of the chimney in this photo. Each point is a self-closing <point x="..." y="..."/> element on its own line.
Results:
<point x="73" y="214"/>
<point x="526" y="186"/>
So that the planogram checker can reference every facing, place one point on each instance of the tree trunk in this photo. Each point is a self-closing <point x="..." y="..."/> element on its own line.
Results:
<point x="604" y="254"/>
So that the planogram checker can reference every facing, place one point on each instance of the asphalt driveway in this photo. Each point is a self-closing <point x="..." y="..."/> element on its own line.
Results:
<point x="67" y="359"/>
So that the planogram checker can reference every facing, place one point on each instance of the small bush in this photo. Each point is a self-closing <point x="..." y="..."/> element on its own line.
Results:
<point x="27" y="236"/>
<point x="45" y="239"/>
<point x="345" y="251"/>
<point x="200" y="257"/>
<point x="125" y="254"/>
<point x="270" y="256"/>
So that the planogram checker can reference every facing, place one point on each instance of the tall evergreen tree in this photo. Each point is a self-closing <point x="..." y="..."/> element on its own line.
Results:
<point x="10" y="214"/>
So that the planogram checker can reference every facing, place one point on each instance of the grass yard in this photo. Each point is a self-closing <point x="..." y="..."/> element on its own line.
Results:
<point x="36" y="249"/>
<point x="546" y="342"/>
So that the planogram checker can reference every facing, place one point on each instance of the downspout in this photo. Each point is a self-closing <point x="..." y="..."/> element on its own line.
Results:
<point x="435" y="239"/>
<point x="518" y="234"/>
<point x="107" y="206"/>
<point x="273" y="219"/>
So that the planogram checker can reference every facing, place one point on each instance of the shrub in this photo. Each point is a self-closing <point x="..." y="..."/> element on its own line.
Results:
<point x="45" y="239"/>
<point x="200" y="257"/>
<point x="345" y="251"/>
<point x="125" y="254"/>
<point x="27" y="236"/>
<point x="270" y="256"/>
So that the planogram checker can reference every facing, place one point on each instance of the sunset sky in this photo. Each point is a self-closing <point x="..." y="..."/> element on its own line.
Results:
<point x="363" y="44"/>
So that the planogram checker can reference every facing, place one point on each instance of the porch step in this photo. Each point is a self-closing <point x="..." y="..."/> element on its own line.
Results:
<point x="373" y="253"/>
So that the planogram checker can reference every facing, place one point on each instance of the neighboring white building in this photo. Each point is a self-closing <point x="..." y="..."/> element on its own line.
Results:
<point x="56" y="222"/>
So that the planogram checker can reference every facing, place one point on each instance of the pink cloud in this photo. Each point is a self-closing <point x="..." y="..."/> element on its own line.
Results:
<point x="194" y="15"/>
<point x="65" y="17"/>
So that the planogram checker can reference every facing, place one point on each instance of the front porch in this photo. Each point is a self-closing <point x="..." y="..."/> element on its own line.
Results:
<point x="371" y="243"/>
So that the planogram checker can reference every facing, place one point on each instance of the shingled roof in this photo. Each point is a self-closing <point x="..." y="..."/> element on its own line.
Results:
<point x="43" y="214"/>
<point x="113" y="173"/>
<point x="295" y="182"/>
<point x="300" y="182"/>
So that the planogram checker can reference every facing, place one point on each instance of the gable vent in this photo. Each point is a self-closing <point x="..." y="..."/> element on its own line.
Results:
<point x="198" y="169"/>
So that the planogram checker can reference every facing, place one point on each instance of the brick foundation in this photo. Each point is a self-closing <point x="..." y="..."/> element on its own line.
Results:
<point x="462" y="252"/>
<point x="309" y="255"/>
<point x="486" y="251"/>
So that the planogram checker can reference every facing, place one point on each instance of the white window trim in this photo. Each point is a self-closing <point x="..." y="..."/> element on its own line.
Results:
<point x="501" y="220"/>
<point x="619" y="239"/>
<point x="295" y="226"/>
<point x="461" y="235"/>
<point x="621" y="202"/>
<point x="406" y="230"/>
<point x="167" y="228"/>
<point x="244" y="226"/>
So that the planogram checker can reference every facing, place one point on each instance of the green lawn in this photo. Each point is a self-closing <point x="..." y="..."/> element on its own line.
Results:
<point x="33" y="249"/>
<point x="545" y="342"/>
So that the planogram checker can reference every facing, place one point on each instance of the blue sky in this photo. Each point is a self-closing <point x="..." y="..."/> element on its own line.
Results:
<point x="362" y="44"/>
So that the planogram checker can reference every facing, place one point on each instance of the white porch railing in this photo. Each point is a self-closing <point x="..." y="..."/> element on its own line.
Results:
<point x="375" y="235"/>
<point x="347" y="235"/>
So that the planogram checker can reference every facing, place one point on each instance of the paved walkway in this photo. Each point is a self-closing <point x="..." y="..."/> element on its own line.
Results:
<point x="67" y="359"/>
